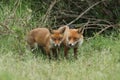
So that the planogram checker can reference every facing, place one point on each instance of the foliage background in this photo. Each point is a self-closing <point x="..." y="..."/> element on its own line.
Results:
<point x="99" y="56"/>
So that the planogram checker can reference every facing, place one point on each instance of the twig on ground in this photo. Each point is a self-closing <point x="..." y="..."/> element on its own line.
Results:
<point x="6" y="29"/>
<point x="12" y="13"/>
<point x="45" y="19"/>
<point x="84" y="13"/>
<point x="5" y="26"/>
<point x="104" y="29"/>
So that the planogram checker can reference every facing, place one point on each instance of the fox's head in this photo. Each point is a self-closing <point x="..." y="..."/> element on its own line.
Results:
<point x="57" y="37"/>
<point x="75" y="37"/>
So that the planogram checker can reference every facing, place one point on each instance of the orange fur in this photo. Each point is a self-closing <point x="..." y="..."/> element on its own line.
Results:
<point x="49" y="40"/>
<point x="72" y="39"/>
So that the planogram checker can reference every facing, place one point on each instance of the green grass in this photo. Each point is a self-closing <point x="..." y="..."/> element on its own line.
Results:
<point x="98" y="59"/>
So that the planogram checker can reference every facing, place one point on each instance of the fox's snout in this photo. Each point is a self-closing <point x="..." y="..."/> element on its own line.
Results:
<point x="71" y="44"/>
<point x="57" y="45"/>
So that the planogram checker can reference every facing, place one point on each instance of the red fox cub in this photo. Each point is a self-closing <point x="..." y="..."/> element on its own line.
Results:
<point x="73" y="38"/>
<point x="49" y="40"/>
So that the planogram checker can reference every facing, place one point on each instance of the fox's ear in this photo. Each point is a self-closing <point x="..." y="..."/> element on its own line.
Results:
<point x="81" y="30"/>
<point x="51" y="31"/>
<point x="62" y="29"/>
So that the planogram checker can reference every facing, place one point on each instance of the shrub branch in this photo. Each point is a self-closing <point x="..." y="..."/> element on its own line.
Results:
<point x="84" y="12"/>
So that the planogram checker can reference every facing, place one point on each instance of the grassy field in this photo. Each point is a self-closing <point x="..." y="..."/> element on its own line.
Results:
<point x="98" y="59"/>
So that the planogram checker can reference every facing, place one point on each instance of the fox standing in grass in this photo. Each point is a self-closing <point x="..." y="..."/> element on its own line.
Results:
<point x="73" y="38"/>
<point x="48" y="39"/>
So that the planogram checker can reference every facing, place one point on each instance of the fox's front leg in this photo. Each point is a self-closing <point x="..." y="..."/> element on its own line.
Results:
<point x="66" y="52"/>
<point x="75" y="52"/>
<point x="48" y="52"/>
<point x="54" y="51"/>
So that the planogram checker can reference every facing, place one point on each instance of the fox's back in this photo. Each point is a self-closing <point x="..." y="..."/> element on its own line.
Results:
<point x="40" y="35"/>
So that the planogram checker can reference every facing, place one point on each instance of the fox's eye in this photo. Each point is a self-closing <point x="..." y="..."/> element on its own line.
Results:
<point x="69" y="38"/>
<point x="53" y="39"/>
<point x="59" y="38"/>
<point x="75" y="39"/>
